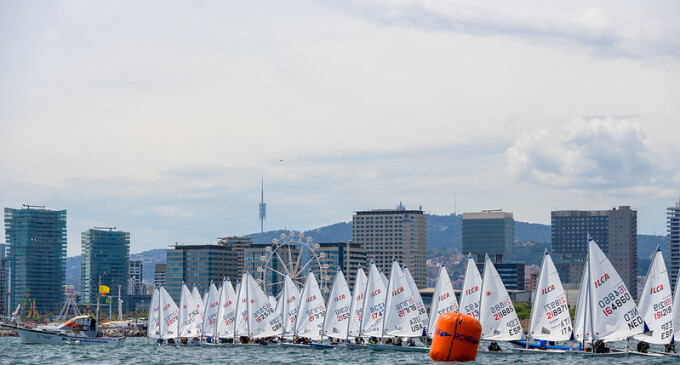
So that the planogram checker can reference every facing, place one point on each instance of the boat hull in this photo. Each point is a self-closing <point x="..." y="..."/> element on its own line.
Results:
<point x="42" y="337"/>
<point x="382" y="347"/>
<point x="538" y="352"/>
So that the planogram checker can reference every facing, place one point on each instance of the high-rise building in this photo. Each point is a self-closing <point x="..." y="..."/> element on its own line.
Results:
<point x="673" y="226"/>
<point x="346" y="255"/>
<point x="135" y="285"/>
<point x="36" y="240"/>
<point x="160" y="275"/>
<point x="388" y="234"/>
<point x="489" y="232"/>
<point x="199" y="264"/>
<point x="106" y="257"/>
<point x="614" y="231"/>
<point x="3" y="285"/>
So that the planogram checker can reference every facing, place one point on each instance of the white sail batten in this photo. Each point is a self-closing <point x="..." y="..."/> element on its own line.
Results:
<point x="312" y="310"/>
<point x="471" y="293"/>
<point x="227" y="313"/>
<point x="169" y="315"/>
<point x="549" y="319"/>
<point x="337" y="311"/>
<point x="374" y="304"/>
<point x="357" y="308"/>
<point x="443" y="299"/>
<point x="401" y="317"/>
<point x="614" y="313"/>
<point x="655" y="303"/>
<point x="496" y="313"/>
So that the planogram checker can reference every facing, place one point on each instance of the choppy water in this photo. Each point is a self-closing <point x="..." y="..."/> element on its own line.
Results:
<point x="137" y="351"/>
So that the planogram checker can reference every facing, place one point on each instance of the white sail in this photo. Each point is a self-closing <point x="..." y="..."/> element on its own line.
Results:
<point x="212" y="306"/>
<point x="582" y="317"/>
<point x="374" y="304"/>
<point x="496" y="312"/>
<point x="615" y="315"/>
<point x="357" y="308"/>
<point x="189" y="314"/>
<point x="169" y="315"/>
<point x="312" y="310"/>
<point x="262" y="318"/>
<point x="655" y="304"/>
<point x="384" y="278"/>
<point x="676" y="313"/>
<point x="227" y="313"/>
<point x="290" y="304"/>
<point x="201" y="309"/>
<point x="471" y="292"/>
<point x="242" y="309"/>
<point x="443" y="299"/>
<point x="422" y="311"/>
<point x="337" y="311"/>
<point x="549" y="319"/>
<point x="401" y="318"/>
<point x="154" y="323"/>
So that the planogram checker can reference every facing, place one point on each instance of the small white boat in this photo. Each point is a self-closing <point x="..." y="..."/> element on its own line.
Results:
<point x="496" y="353"/>
<point x="81" y="330"/>
<point x="355" y="346"/>
<point x="649" y="354"/>
<point x="535" y="351"/>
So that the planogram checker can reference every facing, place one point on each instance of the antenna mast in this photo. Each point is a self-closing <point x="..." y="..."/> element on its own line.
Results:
<point x="263" y="207"/>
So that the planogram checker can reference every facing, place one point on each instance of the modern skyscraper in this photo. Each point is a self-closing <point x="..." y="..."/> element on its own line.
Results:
<point x="388" y="234"/>
<point x="489" y="232"/>
<point x="160" y="275"/>
<point x="347" y="255"/>
<point x="3" y="284"/>
<point x="135" y="285"/>
<point x="199" y="264"/>
<point x="615" y="232"/>
<point x="36" y="239"/>
<point x="106" y="257"/>
<point x="673" y="226"/>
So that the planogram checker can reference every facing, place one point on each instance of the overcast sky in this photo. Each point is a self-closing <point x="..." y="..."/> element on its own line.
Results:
<point x="159" y="117"/>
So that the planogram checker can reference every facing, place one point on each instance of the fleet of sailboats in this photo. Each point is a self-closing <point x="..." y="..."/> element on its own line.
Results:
<point x="381" y="312"/>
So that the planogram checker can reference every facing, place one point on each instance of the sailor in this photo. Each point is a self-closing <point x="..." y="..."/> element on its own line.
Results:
<point x="600" y="348"/>
<point x="643" y="347"/>
<point x="410" y="342"/>
<point x="493" y="347"/>
<point x="670" y="348"/>
<point x="373" y="340"/>
<point x="542" y="345"/>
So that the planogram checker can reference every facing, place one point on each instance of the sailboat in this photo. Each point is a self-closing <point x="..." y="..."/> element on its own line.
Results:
<point x="261" y="315"/>
<point x="496" y="313"/>
<point x="549" y="320"/>
<point x="422" y="312"/>
<point x="154" y="323"/>
<point x="241" y="323"/>
<point x="212" y="306"/>
<point x="374" y="304"/>
<point x="357" y="309"/>
<point x="309" y="322"/>
<point x="655" y="304"/>
<point x="471" y="293"/>
<point x="201" y="309"/>
<point x="289" y="303"/>
<point x="189" y="316"/>
<point x="676" y="313"/>
<point x="443" y="300"/>
<point x="337" y="316"/>
<point x="606" y="310"/>
<point x="169" y="316"/>
<point x="401" y="317"/>
<point x="226" y="316"/>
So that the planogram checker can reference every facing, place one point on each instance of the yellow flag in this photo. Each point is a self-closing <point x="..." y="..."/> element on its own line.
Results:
<point x="103" y="289"/>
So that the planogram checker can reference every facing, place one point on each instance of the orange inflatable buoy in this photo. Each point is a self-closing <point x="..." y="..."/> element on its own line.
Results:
<point x="456" y="338"/>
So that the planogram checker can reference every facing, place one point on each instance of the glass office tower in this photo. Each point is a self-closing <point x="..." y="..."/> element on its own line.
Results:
<point x="106" y="254"/>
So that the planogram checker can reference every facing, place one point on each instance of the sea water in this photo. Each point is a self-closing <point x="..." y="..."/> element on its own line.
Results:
<point x="137" y="351"/>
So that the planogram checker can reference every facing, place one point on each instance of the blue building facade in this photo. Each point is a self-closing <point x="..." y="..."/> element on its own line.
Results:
<point x="36" y="256"/>
<point x="106" y="254"/>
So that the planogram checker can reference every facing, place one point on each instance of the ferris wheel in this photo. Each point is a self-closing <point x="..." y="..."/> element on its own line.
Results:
<point x="294" y="254"/>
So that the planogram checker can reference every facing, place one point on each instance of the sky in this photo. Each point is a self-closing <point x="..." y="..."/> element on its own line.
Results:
<point x="162" y="117"/>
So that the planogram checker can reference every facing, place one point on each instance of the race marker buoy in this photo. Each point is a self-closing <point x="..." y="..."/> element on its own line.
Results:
<point x="456" y="338"/>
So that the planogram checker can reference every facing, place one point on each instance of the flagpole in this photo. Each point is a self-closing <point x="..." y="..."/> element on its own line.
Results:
<point x="99" y="295"/>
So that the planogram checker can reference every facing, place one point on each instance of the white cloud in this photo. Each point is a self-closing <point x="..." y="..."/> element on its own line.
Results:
<point x="592" y="153"/>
